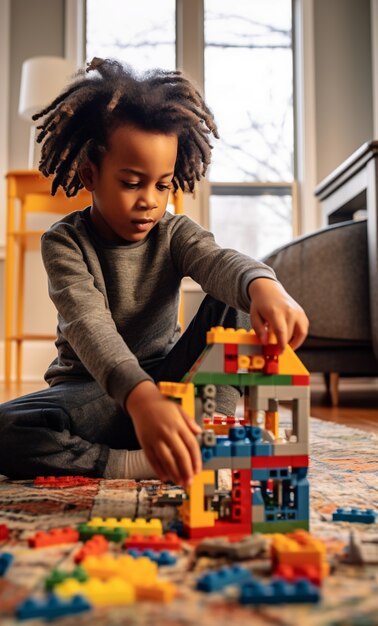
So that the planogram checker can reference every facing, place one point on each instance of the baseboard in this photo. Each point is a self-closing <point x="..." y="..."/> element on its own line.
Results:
<point x="37" y="356"/>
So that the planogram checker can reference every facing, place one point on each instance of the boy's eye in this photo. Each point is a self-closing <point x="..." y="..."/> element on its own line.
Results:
<point x="163" y="187"/>
<point x="129" y="185"/>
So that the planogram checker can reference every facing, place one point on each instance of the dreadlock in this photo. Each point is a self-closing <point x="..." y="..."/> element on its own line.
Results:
<point x="107" y="94"/>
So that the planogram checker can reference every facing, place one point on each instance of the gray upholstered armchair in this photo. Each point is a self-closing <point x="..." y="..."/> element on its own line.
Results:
<point x="327" y="273"/>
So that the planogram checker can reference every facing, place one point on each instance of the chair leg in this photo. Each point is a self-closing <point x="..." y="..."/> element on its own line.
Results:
<point x="332" y="385"/>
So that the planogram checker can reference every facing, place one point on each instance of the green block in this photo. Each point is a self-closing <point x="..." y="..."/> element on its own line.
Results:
<point x="58" y="576"/>
<point x="241" y="380"/>
<point x="279" y="527"/>
<point x="111" y="534"/>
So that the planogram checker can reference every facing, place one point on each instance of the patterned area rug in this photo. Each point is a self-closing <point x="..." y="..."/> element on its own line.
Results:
<point x="343" y="472"/>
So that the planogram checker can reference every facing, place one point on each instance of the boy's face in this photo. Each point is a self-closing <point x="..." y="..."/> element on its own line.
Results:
<point x="130" y="188"/>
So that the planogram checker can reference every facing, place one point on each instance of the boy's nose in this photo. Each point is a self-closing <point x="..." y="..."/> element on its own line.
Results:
<point x="147" y="200"/>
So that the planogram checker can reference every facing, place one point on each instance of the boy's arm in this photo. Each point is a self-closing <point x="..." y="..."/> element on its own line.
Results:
<point x="273" y="309"/>
<point x="240" y="281"/>
<point x="85" y="319"/>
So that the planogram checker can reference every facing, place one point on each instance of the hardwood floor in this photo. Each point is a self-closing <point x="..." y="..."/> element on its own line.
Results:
<point x="358" y="401"/>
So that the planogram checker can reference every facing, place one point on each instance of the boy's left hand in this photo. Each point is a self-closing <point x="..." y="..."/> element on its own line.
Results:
<point x="274" y="310"/>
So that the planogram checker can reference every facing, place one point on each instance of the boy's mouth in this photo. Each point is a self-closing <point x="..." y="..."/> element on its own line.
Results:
<point x="142" y="224"/>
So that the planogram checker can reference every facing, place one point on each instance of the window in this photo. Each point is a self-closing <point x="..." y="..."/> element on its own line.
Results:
<point x="248" y="83"/>
<point x="140" y="33"/>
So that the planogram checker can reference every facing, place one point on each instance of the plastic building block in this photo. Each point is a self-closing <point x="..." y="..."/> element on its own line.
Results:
<point x="293" y="573"/>
<point x="6" y="560"/>
<point x="219" y="579"/>
<point x="278" y="592"/>
<point x="193" y="512"/>
<point x="138" y="526"/>
<point x="114" y="591"/>
<point x="164" y="557"/>
<point x="183" y="391"/>
<point x="97" y="545"/>
<point x="53" y="537"/>
<point x="4" y="532"/>
<point x="58" y="576"/>
<point x="298" y="549"/>
<point x="51" y="607"/>
<point x="125" y="566"/>
<point x="246" y="548"/>
<point x="111" y="534"/>
<point x="170" y="541"/>
<point x="363" y="516"/>
<point x="62" y="482"/>
<point x="159" y="591"/>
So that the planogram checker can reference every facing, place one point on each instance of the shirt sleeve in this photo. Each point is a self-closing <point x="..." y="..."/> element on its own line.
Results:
<point x="85" y="319"/>
<point x="224" y="273"/>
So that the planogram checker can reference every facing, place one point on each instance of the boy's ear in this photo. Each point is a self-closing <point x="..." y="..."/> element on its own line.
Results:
<point x="87" y="175"/>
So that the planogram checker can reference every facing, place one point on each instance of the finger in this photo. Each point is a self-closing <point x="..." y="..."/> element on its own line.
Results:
<point x="278" y="326"/>
<point x="299" y="335"/>
<point x="167" y="460"/>
<point x="194" y="450"/>
<point x="260" y="327"/>
<point x="191" y="423"/>
<point x="156" y="465"/>
<point x="183" y="459"/>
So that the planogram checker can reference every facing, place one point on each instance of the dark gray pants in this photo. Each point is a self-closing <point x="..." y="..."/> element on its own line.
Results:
<point x="68" y="429"/>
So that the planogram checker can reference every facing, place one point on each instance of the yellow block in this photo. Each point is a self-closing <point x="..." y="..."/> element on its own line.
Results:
<point x="193" y="510"/>
<point x="99" y="592"/>
<point x="138" y="526"/>
<point x="106" y="566"/>
<point x="181" y="391"/>
<point x="160" y="591"/>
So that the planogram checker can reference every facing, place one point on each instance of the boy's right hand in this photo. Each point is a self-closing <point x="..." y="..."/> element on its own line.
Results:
<point x="166" y="434"/>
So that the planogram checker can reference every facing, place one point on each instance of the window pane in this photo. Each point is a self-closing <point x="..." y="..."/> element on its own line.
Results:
<point x="253" y="225"/>
<point x="141" y="33"/>
<point x="249" y="87"/>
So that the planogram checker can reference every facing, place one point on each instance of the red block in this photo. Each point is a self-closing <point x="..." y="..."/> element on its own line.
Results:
<point x="169" y="541"/>
<point x="219" y="529"/>
<point x="4" y="532"/>
<point x="293" y="573"/>
<point x="94" y="546"/>
<point x="270" y="462"/>
<point x="301" y="379"/>
<point x="53" y="537"/>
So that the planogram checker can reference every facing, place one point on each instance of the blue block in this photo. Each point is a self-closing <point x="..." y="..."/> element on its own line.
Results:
<point x="277" y="473"/>
<point x="222" y="446"/>
<point x="207" y="454"/>
<point x="6" y="560"/>
<point x="217" y="580"/>
<point x="163" y="557"/>
<point x="237" y="433"/>
<point x="257" y="498"/>
<point x="364" y="516"/>
<point x="302" y="499"/>
<point x="278" y="592"/>
<point x="51" y="607"/>
<point x="260" y="474"/>
<point x="280" y="514"/>
<point x="241" y="448"/>
<point x="262" y="448"/>
<point x="254" y="433"/>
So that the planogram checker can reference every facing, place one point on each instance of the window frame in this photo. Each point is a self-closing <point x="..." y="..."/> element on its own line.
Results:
<point x="190" y="58"/>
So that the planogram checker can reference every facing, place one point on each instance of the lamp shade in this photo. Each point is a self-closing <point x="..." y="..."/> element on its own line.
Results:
<point x="42" y="79"/>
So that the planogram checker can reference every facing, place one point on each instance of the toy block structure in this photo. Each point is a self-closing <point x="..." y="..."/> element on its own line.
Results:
<point x="268" y="460"/>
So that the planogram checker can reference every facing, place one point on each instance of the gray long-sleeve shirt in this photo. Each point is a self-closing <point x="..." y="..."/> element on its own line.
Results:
<point x="118" y="304"/>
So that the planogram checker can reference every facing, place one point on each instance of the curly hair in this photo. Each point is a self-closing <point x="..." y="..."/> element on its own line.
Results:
<point x="107" y="94"/>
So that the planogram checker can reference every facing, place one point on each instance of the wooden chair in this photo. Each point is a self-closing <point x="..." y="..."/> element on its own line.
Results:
<point x="29" y="194"/>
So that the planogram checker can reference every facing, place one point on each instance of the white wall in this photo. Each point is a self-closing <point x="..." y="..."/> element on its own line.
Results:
<point x="340" y="32"/>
